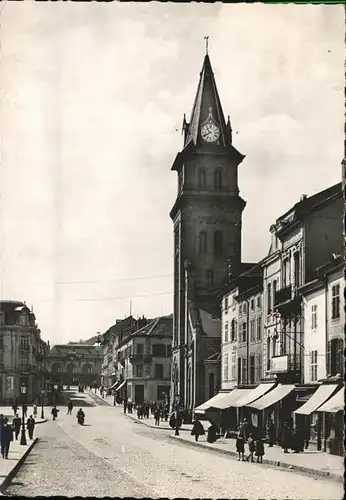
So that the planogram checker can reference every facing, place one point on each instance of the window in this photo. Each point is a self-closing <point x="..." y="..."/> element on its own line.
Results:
<point x="233" y="330"/>
<point x="269" y="298"/>
<point x="252" y="369"/>
<point x="202" y="179"/>
<point x="233" y="366"/>
<point x="296" y="269"/>
<point x="226" y="304"/>
<point x="226" y="331"/>
<point x="239" y="371"/>
<point x="1" y="342"/>
<point x="259" y="302"/>
<point x="169" y="351"/>
<point x="23" y="362"/>
<point x="139" y="371"/>
<point x="218" y="180"/>
<point x="244" y="308"/>
<point x="244" y="371"/>
<point x="139" y="348"/>
<point x="242" y="332"/>
<point x="203" y="246"/>
<point x="24" y="319"/>
<point x="1" y="365"/>
<point x="274" y="293"/>
<point x="335" y="357"/>
<point x="218" y="243"/>
<point x="313" y="366"/>
<point x="225" y="366"/>
<point x="159" y="350"/>
<point x="268" y="353"/>
<point x="252" y="330"/>
<point x="24" y="343"/>
<point x="336" y="301"/>
<point x="9" y="383"/>
<point x="286" y="273"/>
<point x="210" y="277"/>
<point x="259" y="367"/>
<point x="259" y="328"/>
<point x="314" y="316"/>
<point x="252" y="304"/>
<point x="158" y="371"/>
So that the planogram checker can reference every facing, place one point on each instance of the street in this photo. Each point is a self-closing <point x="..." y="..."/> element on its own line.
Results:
<point x="114" y="456"/>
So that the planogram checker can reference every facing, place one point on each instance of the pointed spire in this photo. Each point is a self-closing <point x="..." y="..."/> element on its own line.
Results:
<point x="229" y="128"/>
<point x="207" y="107"/>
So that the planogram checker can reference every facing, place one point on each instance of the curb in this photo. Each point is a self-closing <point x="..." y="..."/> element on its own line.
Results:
<point x="298" y="468"/>
<point x="41" y="421"/>
<point x="157" y="427"/>
<point x="4" y="485"/>
<point x="99" y="397"/>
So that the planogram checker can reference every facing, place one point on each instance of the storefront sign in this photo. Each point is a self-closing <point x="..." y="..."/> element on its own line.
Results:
<point x="279" y="364"/>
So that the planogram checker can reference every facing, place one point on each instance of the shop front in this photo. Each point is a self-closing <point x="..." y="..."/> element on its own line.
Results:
<point x="332" y="427"/>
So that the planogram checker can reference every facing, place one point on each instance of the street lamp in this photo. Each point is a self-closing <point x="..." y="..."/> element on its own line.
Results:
<point x="42" y="413"/>
<point x="23" y="390"/>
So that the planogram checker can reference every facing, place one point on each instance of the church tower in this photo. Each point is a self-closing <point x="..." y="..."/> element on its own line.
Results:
<point x="206" y="216"/>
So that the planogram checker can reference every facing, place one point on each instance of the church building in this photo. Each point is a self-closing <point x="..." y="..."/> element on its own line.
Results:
<point x="207" y="221"/>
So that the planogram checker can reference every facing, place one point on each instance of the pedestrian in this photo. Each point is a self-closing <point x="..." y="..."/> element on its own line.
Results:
<point x="286" y="437"/>
<point x="197" y="429"/>
<point x="69" y="407"/>
<point x="16" y="424"/>
<point x="14" y="408"/>
<point x="125" y="406"/>
<point x="271" y="433"/>
<point x="172" y="421"/>
<point x="259" y="449"/>
<point x="240" y="445"/>
<point x="252" y="448"/>
<point x="34" y="407"/>
<point x="54" y="412"/>
<point x="25" y="410"/>
<point x="212" y="433"/>
<point x="30" y="425"/>
<point x="245" y="429"/>
<point x="157" y="415"/>
<point x="6" y="438"/>
<point x="165" y="413"/>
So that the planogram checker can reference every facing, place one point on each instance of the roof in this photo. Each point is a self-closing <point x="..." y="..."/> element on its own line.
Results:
<point x="211" y="326"/>
<point x="214" y="357"/>
<point x="157" y="326"/>
<point x="306" y="205"/>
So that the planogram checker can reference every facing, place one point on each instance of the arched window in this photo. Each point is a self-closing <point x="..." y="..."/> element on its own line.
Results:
<point x="218" y="180"/>
<point x="87" y="368"/>
<point x="211" y="385"/>
<point x="202" y="179"/>
<point x="203" y="244"/>
<point x="210" y="277"/>
<point x="71" y="368"/>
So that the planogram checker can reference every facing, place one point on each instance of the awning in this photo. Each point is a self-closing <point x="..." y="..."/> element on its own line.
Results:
<point x="272" y="397"/>
<point x="334" y="404"/>
<point x="116" y="383"/>
<point x="253" y="395"/>
<point x="317" y="399"/>
<point x="120" y="386"/>
<point x="211" y="402"/>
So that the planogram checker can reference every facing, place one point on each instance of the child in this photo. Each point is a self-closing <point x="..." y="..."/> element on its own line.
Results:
<point x="240" y="446"/>
<point x="252" y="448"/>
<point x="259" y="450"/>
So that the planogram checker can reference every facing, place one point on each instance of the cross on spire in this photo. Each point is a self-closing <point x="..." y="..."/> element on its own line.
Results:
<point x="206" y="38"/>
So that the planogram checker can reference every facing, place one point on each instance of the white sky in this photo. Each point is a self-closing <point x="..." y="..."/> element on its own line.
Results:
<point x="91" y="97"/>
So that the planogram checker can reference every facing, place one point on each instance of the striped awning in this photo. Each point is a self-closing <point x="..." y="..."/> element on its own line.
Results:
<point x="317" y="399"/>
<point x="114" y="385"/>
<point x="120" y="386"/>
<point x="334" y="404"/>
<point x="272" y="397"/>
<point x="253" y="395"/>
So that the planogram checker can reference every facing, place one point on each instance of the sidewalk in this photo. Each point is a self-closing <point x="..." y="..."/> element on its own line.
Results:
<point x="16" y="456"/>
<point x="310" y="461"/>
<point x="7" y="411"/>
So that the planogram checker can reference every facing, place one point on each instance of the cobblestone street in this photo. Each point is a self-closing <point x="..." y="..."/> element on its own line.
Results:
<point x="114" y="456"/>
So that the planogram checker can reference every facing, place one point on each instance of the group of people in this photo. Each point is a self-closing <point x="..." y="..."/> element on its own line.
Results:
<point x="10" y="431"/>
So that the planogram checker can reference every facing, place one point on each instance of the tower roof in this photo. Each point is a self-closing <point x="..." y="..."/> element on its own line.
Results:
<point x="207" y="104"/>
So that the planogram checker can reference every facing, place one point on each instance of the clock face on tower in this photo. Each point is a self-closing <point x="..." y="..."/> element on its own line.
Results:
<point x="210" y="132"/>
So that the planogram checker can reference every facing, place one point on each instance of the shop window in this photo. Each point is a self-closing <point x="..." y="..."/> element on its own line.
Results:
<point x="336" y="302"/>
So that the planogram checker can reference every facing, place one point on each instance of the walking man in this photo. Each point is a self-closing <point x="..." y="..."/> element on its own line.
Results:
<point x="6" y="438"/>
<point x="16" y="423"/>
<point x="30" y="425"/>
<point x="69" y="408"/>
<point x="157" y="416"/>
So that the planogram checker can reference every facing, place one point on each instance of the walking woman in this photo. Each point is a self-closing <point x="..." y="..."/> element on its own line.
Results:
<point x="240" y="445"/>
<point x="197" y="429"/>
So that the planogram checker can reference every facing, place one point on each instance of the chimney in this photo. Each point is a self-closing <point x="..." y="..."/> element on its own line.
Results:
<point x="303" y="197"/>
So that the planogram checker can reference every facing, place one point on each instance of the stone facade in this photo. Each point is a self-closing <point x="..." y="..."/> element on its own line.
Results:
<point x="22" y="353"/>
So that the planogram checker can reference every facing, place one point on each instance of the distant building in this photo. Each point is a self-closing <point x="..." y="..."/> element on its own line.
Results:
<point x="22" y="353"/>
<point x="74" y="364"/>
<point x="145" y="362"/>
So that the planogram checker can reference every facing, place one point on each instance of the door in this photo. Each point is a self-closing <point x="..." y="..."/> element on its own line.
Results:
<point x="139" y="394"/>
<point x="162" y="393"/>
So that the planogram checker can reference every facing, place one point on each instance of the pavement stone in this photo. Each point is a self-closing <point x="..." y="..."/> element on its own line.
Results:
<point x="17" y="454"/>
<point x="310" y="462"/>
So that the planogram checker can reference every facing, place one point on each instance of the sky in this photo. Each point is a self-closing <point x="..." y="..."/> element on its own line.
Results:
<point x="92" y="101"/>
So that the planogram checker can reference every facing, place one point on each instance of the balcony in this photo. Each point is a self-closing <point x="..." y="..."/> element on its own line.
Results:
<point x="284" y="364"/>
<point x="283" y="295"/>
<point x="286" y="303"/>
<point x="140" y="358"/>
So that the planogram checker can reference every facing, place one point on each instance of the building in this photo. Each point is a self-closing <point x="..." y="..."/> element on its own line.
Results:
<point x="313" y="219"/>
<point x="74" y="364"/>
<point x="206" y="216"/>
<point x="145" y="362"/>
<point x="22" y="353"/>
